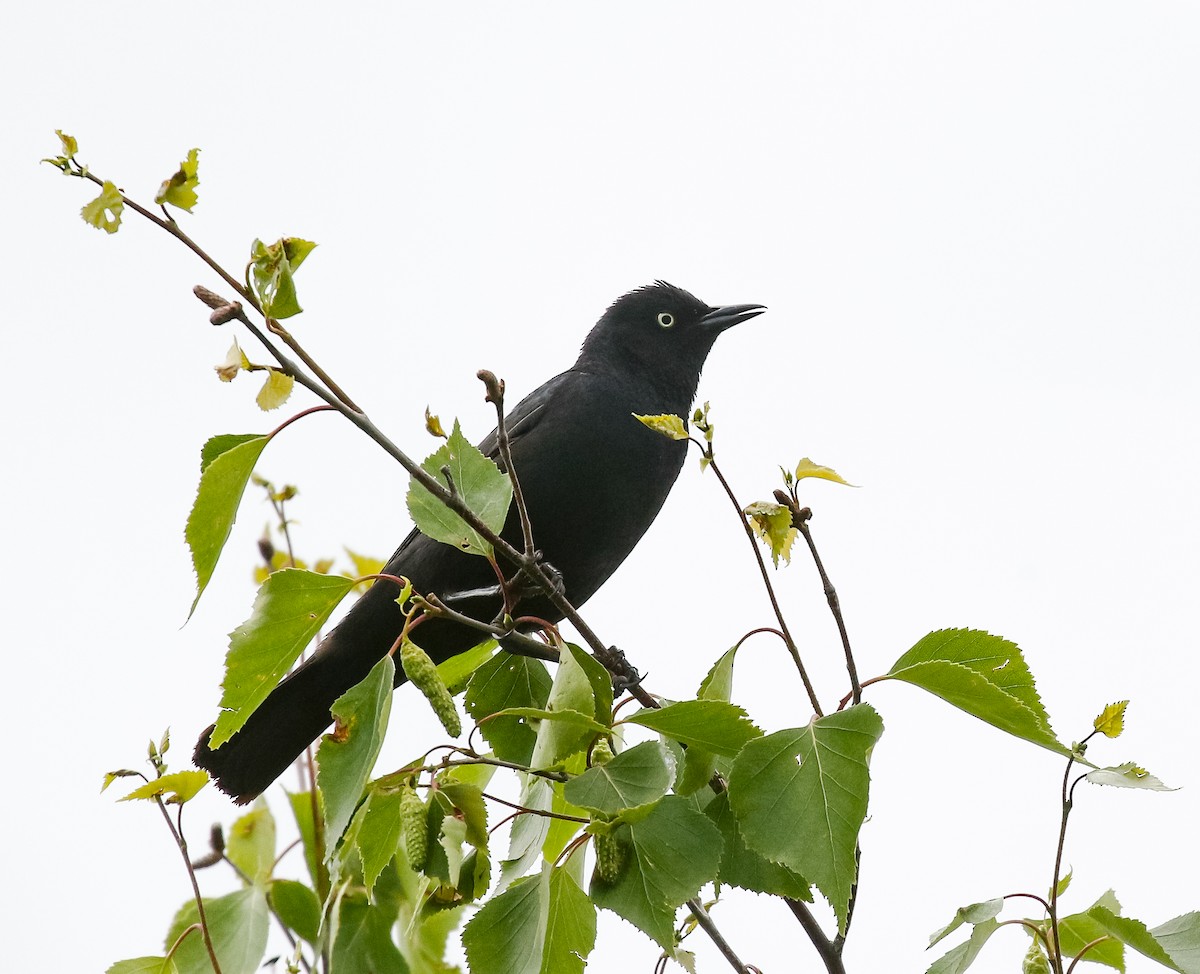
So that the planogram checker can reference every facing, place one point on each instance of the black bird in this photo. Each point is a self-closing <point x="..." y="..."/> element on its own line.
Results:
<point x="594" y="479"/>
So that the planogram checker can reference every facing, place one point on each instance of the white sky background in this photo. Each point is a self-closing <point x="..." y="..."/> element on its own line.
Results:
<point x="975" y="226"/>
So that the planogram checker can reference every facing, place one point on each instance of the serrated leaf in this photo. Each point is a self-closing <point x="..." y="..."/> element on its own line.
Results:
<point x="507" y="934"/>
<point x="104" y="212"/>
<point x="570" y="926"/>
<point x="806" y="468"/>
<point x="275" y="390"/>
<point x="718" y="727"/>
<point x="297" y="906"/>
<point x="469" y="805"/>
<point x="960" y="958"/>
<point x="1128" y="775"/>
<point x="180" y="189"/>
<point x="672" y="427"/>
<point x="1111" y="720"/>
<point x="289" y="610"/>
<point x="144" y="965"/>
<point x="479" y="483"/>
<point x="378" y="834"/>
<point x="572" y="717"/>
<point x="238" y="925"/>
<point x="303" y="805"/>
<point x="975" y="913"/>
<point x="458" y="670"/>
<point x="635" y="777"/>
<point x="1080" y="929"/>
<point x="271" y="270"/>
<point x="823" y="798"/>
<point x="746" y="869"/>
<point x="363" y="941"/>
<point x="574" y="691"/>
<point x="983" y="675"/>
<point x="250" y="844"/>
<point x="1133" y="933"/>
<point x="529" y="832"/>
<point x="179" y="786"/>
<point x="672" y="852"/>
<point x="1180" y="938"/>
<point x="346" y="756"/>
<point x="226" y="463"/>
<point x="504" y="682"/>
<point x="773" y="524"/>
<point x="699" y="764"/>
<point x="433" y="425"/>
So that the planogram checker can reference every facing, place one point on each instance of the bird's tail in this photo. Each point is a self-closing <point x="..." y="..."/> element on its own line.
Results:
<point x="291" y="718"/>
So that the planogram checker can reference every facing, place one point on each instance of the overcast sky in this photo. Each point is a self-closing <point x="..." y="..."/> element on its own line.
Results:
<point x="975" y="226"/>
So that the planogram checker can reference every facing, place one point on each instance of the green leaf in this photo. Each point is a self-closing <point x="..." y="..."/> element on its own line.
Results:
<point x="529" y="832"/>
<point x="378" y="835"/>
<point x="271" y="270"/>
<point x="478" y="482"/>
<point x="572" y="690"/>
<point x="104" y="212"/>
<point x="181" y="786"/>
<point x="572" y="717"/>
<point x="457" y="670"/>
<point x="672" y="427"/>
<point x="975" y="913"/>
<point x="303" y="811"/>
<point x="504" y="682"/>
<point x="963" y="956"/>
<point x="1080" y="929"/>
<point x="672" y="852"/>
<point x="1180" y="938"/>
<point x="570" y="926"/>
<point x="144" y="965"/>
<point x="237" y="924"/>
<point x="69" y="146"/>
<point x="823" y="799"/>
<point x="562" y="831"/>
<point x="716" y="726"/>
<point x="507" y="934"/>
<point x="1128" y="775"/>
<point x="600" y="680"/>
<point x="289" y="610"/>
<point x="699" y="764"/>
<point x="250" y="845"/>
<point x="364" y="938"/>
<point x="633" y="778"/>
<point x="983" y="675"/>
<point x="297" y="906"/>
<point x="346" y="756"/>
<point x="1135" y="934"/>
<point x="746" y="869"/>
<point x="180" y="189"/>
<point x="226" y="463"/>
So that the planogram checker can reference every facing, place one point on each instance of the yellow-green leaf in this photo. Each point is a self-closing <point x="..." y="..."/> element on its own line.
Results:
<point x="104" y="212"/>
<point x="70" y="146"/>
<point x="433" y="425"/>
<point x="235" y="361"/>
<point x="773" y="524"/>
<point x="806" y="468"/>
<point x="666" y="424"/>
<point x="275" y="390"/>
<point x="180" y="189"/>
<point x="181" y="786"/>
<point x="1111" y="721"/>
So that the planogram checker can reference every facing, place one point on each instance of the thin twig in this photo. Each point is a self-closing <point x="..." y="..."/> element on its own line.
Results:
<point x="800" y="520"/>
<point x="830" y="956"/>
<point x="181" y="844"/>
<point x="495" y="395"/>
<point x="705" y="923"/>
<point x="762" y="568"/>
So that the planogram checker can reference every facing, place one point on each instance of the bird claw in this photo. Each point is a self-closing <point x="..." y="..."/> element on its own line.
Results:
<point x="625" y="675"/>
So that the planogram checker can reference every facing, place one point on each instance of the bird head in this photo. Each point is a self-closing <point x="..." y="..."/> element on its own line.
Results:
<point x="663" y="330"/>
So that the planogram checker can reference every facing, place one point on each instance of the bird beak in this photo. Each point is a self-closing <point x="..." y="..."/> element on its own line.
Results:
<point x="718" y="319"/>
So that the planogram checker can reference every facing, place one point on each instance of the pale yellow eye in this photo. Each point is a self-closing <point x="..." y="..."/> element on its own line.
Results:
<point x="666" y="319"/>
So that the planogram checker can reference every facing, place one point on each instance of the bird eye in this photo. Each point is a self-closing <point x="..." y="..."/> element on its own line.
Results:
<point x="666" y="319"/>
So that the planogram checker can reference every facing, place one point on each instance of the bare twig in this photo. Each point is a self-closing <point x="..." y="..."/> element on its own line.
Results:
<point x="705" y="922"/>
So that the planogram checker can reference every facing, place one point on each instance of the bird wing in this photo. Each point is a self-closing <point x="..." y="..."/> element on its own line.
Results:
<point x="528" y="414"/>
